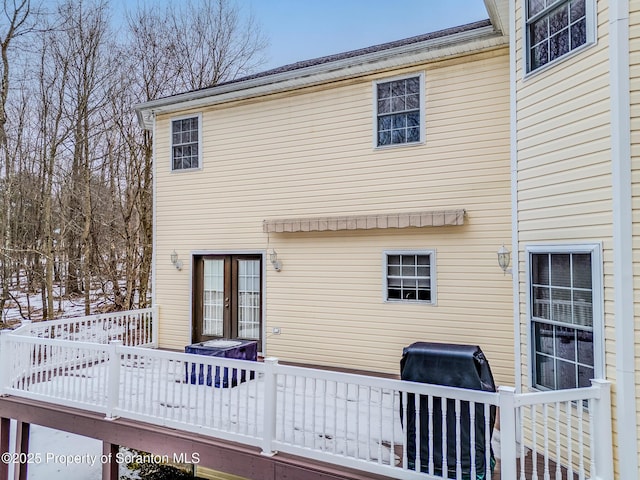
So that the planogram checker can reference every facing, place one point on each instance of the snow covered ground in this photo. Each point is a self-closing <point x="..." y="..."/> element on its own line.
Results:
<point x="28" y="306"/>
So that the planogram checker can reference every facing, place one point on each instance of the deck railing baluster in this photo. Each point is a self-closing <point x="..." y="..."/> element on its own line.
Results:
<point x="430" y="420"/>
<point x="445" y="453"/>
<point x="545" y="426"/>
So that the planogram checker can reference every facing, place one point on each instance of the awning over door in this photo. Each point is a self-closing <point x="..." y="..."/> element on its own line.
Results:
<point x="436" y="218"/>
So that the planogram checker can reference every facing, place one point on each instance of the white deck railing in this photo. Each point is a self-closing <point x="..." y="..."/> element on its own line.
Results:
<point x="133" y="328"/>
<point x="356" y="421"/>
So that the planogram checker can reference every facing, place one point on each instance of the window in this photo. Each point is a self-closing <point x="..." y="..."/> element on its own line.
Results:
<point x="557" y="27"/>
<point x="399" y="109"/>
<point x="185" y="143"/>
<point x="409" y="276"/>
<point x="564" y="312"/>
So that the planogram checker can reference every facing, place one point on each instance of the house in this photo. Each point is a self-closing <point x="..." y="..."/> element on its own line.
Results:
<point x="369" y="225"/>
<point x="337" y="210"/>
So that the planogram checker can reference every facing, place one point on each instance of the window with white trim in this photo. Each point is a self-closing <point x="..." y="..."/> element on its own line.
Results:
<point x="399" y="111"/>
<point x="185" y="143"/>
<point x="565" y="315"/>
<point x="555" y="28"/>
<point x="410" y="276"/>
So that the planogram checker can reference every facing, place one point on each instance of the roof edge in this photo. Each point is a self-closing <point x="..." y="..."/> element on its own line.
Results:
<point x="499" y="14"/>
<point x="351" y="64"/>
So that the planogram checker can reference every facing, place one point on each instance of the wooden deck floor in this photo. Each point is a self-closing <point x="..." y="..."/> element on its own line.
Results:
<point x="225" y="456"/>
<point x="540" y="468"/>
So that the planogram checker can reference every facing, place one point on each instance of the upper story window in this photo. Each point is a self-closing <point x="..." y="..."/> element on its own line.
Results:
<point x="410" y="276"/>
<point x="557" y="27"/>
<point x="185" y="143"/>
<point x="565" y="315"/>
<point x="399" y="111"/>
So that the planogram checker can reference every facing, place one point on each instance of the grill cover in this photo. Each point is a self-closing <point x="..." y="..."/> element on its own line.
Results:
<point x="463" y="366"/>
<point x="236" y="349"/>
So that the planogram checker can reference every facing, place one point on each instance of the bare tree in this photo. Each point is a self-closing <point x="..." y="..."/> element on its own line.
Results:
<point x="15" y="23"/>
<point x="185" y="47"/>
<point x="192" y="45"/>
<point x="75" y="167"/>
<point x="53" y="131"/>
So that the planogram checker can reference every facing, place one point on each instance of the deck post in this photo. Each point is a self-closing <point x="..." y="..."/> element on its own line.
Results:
<point x="22" y="449"/>
<point x="5" y="432"/>
<point x="110" y="466"/>
<point x="270" y="397"/>
<point x="113" y="388"/>
<point x="508" y="448"/>
<point x="26" y="323"/>
<point x="154" y="325"/>
<point x="4" y="361"/>
<point x="601" y="443"/>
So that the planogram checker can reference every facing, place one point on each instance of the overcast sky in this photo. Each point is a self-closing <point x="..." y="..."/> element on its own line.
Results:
<point x="305" y="29"/>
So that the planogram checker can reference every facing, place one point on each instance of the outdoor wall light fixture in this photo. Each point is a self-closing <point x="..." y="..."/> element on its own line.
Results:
<point x="176" y="261"/>
<point x="273" y="258"/>
<point x="504" y="259"/>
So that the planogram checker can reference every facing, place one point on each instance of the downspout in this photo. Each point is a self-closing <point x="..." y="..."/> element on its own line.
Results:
<point x="627" y="438"/>
<point x="513" y="152"/>
<point x="154" y="243"/>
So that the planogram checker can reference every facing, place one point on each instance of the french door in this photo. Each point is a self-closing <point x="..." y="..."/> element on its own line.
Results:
<point x="227" y="297"/>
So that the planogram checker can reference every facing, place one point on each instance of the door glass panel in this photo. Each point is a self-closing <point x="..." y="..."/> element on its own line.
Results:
<point x="249" y="299"/>
<point x="213" y="304"/>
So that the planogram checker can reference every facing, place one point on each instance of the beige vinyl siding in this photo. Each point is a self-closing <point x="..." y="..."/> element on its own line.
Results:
<point x="310" y="153"/>
<point x="564" y="166"/>
<point x="563" y="144"/>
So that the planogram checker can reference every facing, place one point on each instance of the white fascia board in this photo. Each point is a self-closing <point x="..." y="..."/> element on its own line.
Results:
<point x="499" y="14"/>
<point x="434" y="49"/>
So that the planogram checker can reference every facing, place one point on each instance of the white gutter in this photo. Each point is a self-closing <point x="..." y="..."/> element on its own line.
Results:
<point x="515" y="243"/>
<point x="623" y="239"/>
<point x="453" y="45"/>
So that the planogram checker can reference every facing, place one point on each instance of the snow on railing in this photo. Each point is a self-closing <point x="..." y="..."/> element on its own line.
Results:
<point x="58" y="371"/>
<point x="133" y="328"/>
<point x="390" y="427"/>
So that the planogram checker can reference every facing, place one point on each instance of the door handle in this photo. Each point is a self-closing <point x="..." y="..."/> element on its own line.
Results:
<point x="226" y="302"/>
